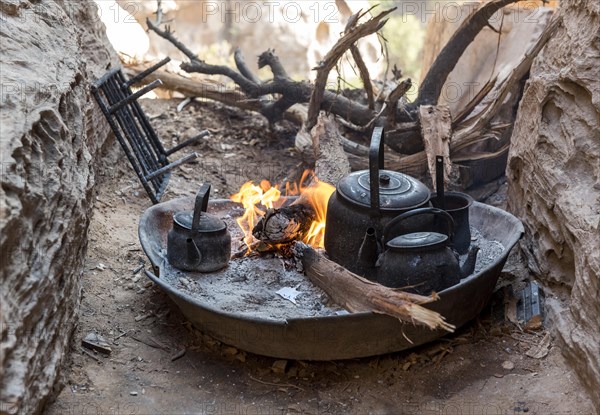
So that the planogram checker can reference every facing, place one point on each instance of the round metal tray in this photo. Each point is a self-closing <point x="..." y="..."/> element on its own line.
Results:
<point x="331" y="337"/>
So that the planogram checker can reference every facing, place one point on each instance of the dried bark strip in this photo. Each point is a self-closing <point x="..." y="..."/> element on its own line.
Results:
<point x="436" y="129"/>
<point x="331" y="163"/>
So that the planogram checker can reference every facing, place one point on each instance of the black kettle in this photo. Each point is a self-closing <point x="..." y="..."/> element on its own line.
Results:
<point x="364" y="201"/>
<point x="198" y="241"/>
<point x="422" y="262"/>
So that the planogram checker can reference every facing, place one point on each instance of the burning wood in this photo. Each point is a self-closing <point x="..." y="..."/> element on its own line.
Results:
<point x="284" y="225"/>
<point x="268" y="219"/>
<point x="358" y="294"/>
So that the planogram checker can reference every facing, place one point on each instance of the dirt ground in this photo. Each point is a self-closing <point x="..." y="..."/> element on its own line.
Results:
<point x="160" y="364"/>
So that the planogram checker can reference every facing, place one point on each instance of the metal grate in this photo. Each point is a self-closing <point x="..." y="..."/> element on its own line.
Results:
<point x="130" y="125"/>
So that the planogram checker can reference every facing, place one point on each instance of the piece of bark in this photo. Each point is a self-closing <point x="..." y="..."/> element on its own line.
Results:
<point x="436" y="128"/>
<point x="284" y="225"/>
<point x="358" y="294"/>
<point x="94" y="341"/>
<point x="331" y="161"/>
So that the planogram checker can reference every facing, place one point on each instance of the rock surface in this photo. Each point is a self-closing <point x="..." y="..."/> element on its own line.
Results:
<point x="52" y="136"/>
<point x="554" y="181"/>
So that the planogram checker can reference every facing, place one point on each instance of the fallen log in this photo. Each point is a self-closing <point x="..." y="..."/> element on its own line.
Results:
<point x="358" y="294"/>
<point x="284" y="225"/>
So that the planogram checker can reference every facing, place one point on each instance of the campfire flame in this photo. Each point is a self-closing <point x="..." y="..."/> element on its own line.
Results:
<point x="257" y="199"/>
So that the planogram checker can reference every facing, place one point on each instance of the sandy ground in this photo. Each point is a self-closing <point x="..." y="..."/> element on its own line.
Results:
<point x="160" y="364"/>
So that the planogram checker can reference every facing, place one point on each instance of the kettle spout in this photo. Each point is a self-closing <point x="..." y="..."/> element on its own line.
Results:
<point x="193" y="253"/>
<point x="469" y="265"/>
<point x="367" y="254"/>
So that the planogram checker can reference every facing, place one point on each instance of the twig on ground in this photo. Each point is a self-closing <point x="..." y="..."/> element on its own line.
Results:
<point x="283" y="385"/>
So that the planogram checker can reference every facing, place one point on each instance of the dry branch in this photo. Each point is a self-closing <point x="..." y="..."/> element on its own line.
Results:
<point x="291" y="91"/>
<point x="210" y="90"/>
<point x="275" y="97"/>
<point x="195" y="87"/>
<point x="330" y="60"/>
<point x="360" y="63"/>
<point x="432" y="85"/>
<point x="358" y="294"/>
<point x="395" y="96"/>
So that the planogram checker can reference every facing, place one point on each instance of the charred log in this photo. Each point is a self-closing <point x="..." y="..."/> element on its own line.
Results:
<point x="284" y="225"/>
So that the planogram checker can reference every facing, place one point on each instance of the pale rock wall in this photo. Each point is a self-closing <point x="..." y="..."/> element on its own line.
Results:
<point x="51" y="140"/>
<point x="554" y="182"/>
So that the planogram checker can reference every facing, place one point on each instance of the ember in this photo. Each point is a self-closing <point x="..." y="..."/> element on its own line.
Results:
<point x="256" y="200"/>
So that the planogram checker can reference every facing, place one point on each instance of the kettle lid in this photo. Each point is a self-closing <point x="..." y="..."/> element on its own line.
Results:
<point x="396" y="190"/>
<point x="418" y="240"/>
<point x="208" y="223"/>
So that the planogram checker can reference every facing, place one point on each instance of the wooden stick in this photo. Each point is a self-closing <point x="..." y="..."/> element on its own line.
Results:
<point x="395" y="96"/>
<point x="358" y="294"/>
<point x="360" y="63"/>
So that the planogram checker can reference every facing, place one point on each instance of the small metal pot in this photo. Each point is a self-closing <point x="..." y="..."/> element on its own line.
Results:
<point x="457" y="205"/>
<point x="198" y="241"/>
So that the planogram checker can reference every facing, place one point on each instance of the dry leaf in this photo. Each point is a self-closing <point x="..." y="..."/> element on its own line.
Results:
<point x="541" y="350"/>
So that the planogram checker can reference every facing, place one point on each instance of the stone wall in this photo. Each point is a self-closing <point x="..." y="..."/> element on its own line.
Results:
<point x="52" y="137"/>
<point x="554" y="182"/>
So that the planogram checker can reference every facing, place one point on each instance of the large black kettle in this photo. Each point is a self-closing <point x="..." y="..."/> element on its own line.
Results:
<point x="363" y="203"/>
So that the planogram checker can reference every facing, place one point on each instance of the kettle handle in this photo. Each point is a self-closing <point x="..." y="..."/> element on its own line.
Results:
<point x="375" y="164"/>
<point x="416" y="212"/>
<point x="201" y="205"/>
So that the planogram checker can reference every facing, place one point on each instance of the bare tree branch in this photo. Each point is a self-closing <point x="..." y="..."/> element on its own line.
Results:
<point x="360" y="63"/>
<point x="242" y="66"/>
<point x="331" y="58"/>
<point x="432" y="85"/>
<point x="271" y="60"/>
<point x="395" y="96"/>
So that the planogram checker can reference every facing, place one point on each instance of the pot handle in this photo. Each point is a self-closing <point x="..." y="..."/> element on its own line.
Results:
<point x="375" y="164"/>
<point x="201" y="205"/>
<point x="416" y="212"/>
